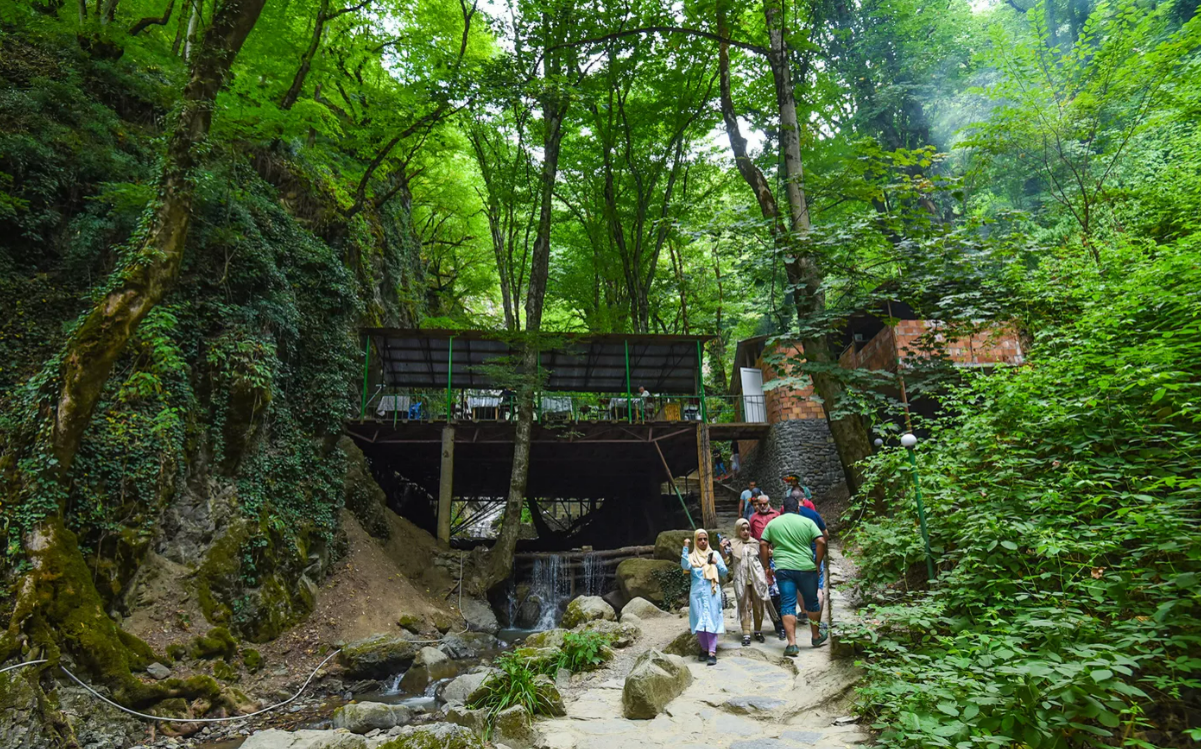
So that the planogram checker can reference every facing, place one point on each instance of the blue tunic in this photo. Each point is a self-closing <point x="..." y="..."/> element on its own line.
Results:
<point x="704" y="607"/>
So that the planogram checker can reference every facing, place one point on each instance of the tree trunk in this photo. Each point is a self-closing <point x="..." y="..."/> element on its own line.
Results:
<point x="554" y="107"/>
<point x="850" y="430"/>
<point x="306" y="60"/>
<point x="57" y="604"/>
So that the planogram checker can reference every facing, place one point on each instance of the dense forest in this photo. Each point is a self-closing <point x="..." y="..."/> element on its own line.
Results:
<point x="201" y="203"/>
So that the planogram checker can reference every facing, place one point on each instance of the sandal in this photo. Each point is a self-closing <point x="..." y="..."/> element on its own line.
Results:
<point x="821" y="639"/>
<point x="791" y="651"/>
<point x="746" y="640"/>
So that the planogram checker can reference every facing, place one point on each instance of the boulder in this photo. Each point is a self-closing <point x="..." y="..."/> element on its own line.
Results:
<point x="469" y="644"/>
<point x="550" y="638"/>
<point x="642" y="608"/>
<point x="685" y="644"/>
<point x="273" y="738"/>
<point x="655" y="680"/>
<point x="584" y="609"/>
<point x="476" y="720"/>
<point x="377" y="657"/>
<point x="549" y="693"/>
<point x="433" y="736"/>
<point x="429" y="665"/>
<point x="479" y="616"/>
<point x="636" y="578"/>
<point x="514" y="726"/>
<point x="622" y="634"/>
<point x="669" y="544"/>
<point x="463" y="689"/>
<point x="633" y="621"/>
<point x="361" y="717"/>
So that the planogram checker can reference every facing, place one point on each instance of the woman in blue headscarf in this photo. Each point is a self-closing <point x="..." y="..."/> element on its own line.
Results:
<point x="705" y="618"/>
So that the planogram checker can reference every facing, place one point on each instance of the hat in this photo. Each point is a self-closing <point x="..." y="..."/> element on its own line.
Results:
<point x="756" y="492"/>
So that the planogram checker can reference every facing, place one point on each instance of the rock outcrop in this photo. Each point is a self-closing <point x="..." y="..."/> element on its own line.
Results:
<point x="584" y="609"/>
<point x="463" y="689"/>
<point x="669" y="543"/>
<point x="621" y="634"/>
<point x="655" y="680"/>
<point x="433" y="736"/>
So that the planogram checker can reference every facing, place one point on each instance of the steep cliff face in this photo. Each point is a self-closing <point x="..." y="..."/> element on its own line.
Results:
<point x="215" y="446"/>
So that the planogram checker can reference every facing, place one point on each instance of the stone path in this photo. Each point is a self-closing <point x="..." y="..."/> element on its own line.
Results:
<point x="754" y="698"/>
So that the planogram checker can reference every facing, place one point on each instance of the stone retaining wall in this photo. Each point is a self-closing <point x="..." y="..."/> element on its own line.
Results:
<point x="801" y="446"/>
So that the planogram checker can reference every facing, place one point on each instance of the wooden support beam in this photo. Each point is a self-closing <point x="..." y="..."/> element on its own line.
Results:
<point x="704" y="456"/>
<point x="446" y="485"/>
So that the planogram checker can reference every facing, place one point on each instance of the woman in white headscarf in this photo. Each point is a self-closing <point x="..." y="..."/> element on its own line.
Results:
<point x="750" y="580"/>
<point x="705" y="566"/>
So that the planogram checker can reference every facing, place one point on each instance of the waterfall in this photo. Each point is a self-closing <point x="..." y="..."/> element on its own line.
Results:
<point x="594" y="575"/>
<point x="551" y="587"/>
<point x="512" y="602"/>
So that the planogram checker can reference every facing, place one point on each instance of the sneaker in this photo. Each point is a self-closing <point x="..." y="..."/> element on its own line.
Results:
<point x="712" y="659"/>
<point x="746" y="640"/>
<point x="780" y="634"/>
<point x="820" y="640"/>
<point x="791" y="651"/>
<point x="759" y="637"/>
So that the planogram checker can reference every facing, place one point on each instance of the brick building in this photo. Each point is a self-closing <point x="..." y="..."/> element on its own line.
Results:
<point x="798" y="440"/>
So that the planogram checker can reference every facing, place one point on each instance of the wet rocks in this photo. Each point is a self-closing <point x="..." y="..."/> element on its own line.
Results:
<point x="584" y="609"/>
<point x="479" y="616"/>
<point x="468" y="644"/>
<point x="655" y="680"/>
<point x="361" y="717"/>
<point x="377" y="657"/>
<point x="429" y="665"/>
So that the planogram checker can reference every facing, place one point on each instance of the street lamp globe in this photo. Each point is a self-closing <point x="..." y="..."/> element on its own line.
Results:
<point x="908" y="440"/>
<point x="879" y="442"/>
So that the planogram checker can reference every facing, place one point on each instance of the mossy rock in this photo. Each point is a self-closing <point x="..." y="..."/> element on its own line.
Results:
<point x="550" y="638"/>
<point x="538" y="658"/>
<point x="218" y="643"/>
<point x="177" y="652"/>
<point x="377" y="657"/>
<point x="669" y="544"/>
<point x="411" y="622"/>
<point x="636" y="578"/>
<point x="252" y="659"/>
<point x="225" y="672"/>
<point x="434" y="736"/>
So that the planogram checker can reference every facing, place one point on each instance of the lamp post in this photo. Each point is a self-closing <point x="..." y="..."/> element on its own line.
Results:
<point x="908" y="441"/>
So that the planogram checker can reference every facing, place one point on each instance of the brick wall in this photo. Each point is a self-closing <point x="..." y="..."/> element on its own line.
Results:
<point x="994" y="346"/>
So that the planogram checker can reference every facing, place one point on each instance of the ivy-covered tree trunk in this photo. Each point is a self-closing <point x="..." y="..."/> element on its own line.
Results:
<point x="57" y="605"/>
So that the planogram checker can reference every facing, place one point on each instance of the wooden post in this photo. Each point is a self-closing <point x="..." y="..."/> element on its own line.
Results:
<point x="446" y="483"/>
<point x="704" y="457"/>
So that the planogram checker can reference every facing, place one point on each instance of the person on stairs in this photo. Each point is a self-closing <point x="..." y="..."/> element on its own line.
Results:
<point x="750" y="580"/>
<point x="705" y="566"/>
<point x="746" y="500"/>
<point x="790" y="537"/>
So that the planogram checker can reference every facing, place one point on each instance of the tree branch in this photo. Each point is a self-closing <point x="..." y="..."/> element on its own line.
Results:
<point x="664" y="30"/>
<point x="149" y="21"/>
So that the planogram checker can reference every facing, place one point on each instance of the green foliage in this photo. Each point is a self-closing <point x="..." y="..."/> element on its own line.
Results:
<point x="515" y="685"/>
<point x="584" y="651"/>
<point x="675" y="585"/>
<point x="1063" y="500"/>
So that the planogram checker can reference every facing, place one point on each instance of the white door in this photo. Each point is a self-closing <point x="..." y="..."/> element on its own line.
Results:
<point x="754" y="408"/>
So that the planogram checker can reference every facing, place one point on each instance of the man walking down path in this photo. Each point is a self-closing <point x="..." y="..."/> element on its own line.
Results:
<point x="763" y="515"/>
<point x="807" y="510"/>
<point x="793" y="539"/>
<point x="746" y="501"/>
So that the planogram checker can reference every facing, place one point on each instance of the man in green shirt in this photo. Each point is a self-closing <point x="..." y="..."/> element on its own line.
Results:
<point x="798" y="548"/>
